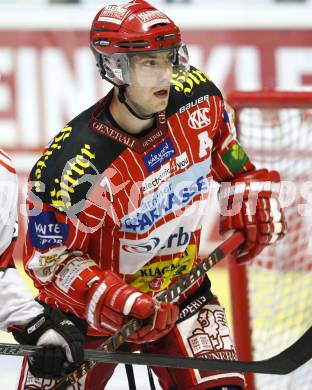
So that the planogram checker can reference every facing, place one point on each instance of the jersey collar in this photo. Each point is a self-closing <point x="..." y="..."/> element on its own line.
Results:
<point x="139" y="145"/>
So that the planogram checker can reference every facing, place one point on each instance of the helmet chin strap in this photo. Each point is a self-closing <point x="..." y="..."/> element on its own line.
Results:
<point x="122" y="98"/>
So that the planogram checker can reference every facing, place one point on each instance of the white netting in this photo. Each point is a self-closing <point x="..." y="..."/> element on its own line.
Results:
<point x="280" y="280"/>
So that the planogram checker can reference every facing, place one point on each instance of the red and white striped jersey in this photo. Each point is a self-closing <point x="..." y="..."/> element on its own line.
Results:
<point x="133" y="205"/>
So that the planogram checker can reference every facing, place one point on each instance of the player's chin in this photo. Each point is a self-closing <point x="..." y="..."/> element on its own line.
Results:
<point x="160" y="104"/>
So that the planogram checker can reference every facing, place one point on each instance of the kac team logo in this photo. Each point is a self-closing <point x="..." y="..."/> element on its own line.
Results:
<point x="199" y="118"/>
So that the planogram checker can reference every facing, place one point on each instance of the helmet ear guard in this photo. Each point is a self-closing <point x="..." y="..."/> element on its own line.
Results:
<point x="116" y="68"/>
<point x="113" y="68"/>
<point x="182" y="59"/>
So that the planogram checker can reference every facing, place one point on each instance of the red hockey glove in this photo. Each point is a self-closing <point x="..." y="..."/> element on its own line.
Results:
<point x="250" y="203"/>
<point x="110" y="300"/>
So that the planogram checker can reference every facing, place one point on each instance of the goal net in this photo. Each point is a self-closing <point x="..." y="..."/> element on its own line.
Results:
<point x="272" y="296"/>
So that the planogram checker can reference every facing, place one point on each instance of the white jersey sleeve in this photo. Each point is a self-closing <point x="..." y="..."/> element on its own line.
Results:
<point x="8" y="206"/>
<point x="17" y="306"/>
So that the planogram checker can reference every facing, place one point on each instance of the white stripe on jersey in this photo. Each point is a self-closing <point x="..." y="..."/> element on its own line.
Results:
<point x="5" y="156"/>
<point x="6" y="160"/>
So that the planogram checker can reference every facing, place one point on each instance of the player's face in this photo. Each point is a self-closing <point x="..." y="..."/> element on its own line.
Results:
<point x="150" y="81"/>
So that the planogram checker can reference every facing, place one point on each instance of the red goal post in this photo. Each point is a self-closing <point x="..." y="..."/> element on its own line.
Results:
<point x="271" y="296"/>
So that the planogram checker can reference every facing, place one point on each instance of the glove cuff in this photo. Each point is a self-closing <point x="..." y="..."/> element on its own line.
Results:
<point x="30" y="332"/>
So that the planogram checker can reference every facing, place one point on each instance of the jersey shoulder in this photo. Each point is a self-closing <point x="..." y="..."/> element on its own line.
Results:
<point x="74" y="154"/>
<point x="196" y="86"/>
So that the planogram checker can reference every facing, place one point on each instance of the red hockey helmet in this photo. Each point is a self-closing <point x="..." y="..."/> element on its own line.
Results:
<point x="119" y="31"/>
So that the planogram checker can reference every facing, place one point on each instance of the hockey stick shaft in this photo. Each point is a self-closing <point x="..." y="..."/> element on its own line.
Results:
<point x="285" y="362"/>
<point x="170" y="295"/>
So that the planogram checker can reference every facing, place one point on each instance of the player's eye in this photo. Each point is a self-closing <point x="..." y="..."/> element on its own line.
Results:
<point x="149" y="63"/>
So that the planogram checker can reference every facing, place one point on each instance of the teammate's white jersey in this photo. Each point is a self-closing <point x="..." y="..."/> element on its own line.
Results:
<point x="17" y="306"/>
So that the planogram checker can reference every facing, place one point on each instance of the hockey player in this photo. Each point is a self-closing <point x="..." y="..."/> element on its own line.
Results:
<point x="117" y="199"/>
<point x="31" y="322"/>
